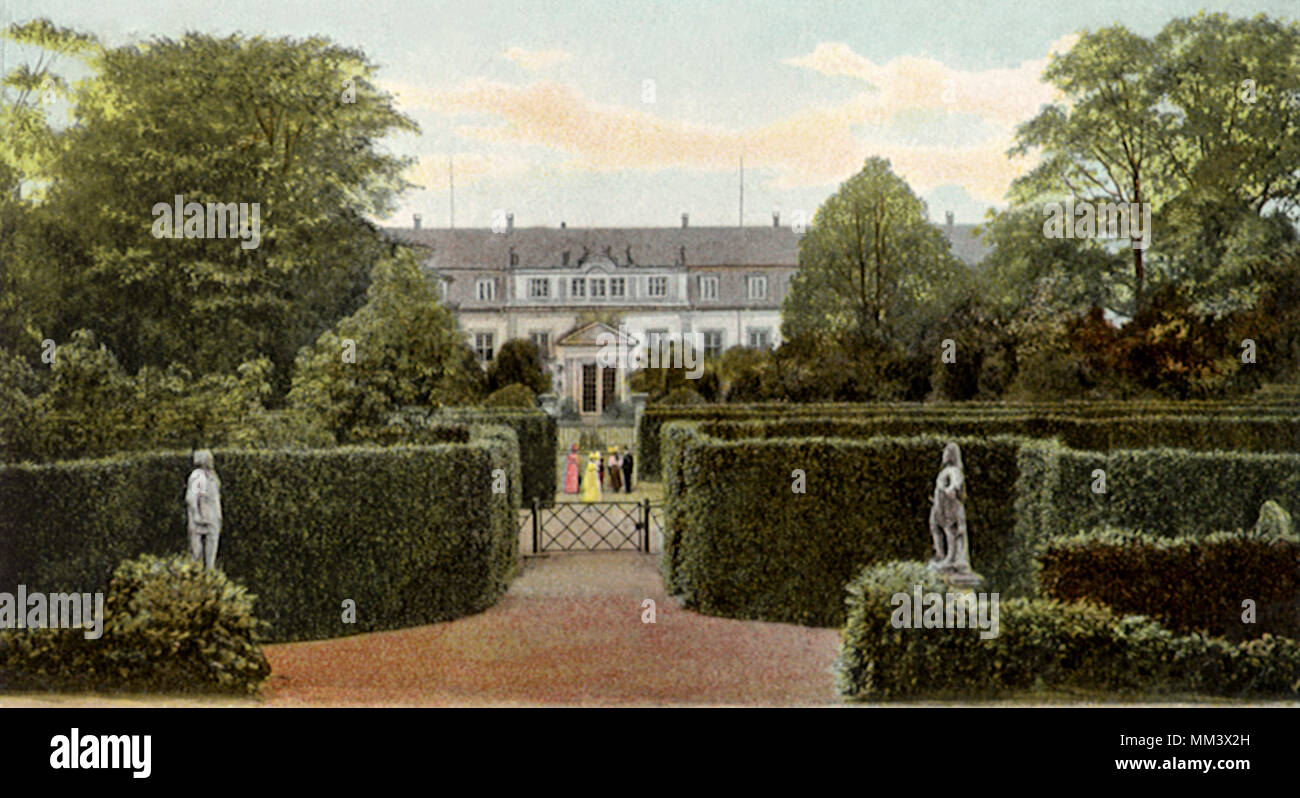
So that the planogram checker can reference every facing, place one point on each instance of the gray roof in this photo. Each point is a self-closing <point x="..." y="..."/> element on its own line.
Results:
<point x="480" y="248"/>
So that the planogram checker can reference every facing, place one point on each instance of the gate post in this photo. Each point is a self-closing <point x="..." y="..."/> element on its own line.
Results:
<point x="645" y="526"/>
<point x="535" y="525"/>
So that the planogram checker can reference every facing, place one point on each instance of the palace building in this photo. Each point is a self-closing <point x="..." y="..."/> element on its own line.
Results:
<point x="563" y="287"/>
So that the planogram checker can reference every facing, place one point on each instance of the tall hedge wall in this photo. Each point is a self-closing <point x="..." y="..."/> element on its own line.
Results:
<point x="412" y="534"/>
<point x="538" y="442"/>
<point x="1093" y="426"/>
<point x="740" y="543"/>
<point x="1165" y="492"/>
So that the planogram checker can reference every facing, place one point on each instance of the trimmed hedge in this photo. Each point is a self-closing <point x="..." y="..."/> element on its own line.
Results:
<point x="1186" y="584"/>
<point x="739" y="543"/>
<point x="1041" y="644"/>
<point x="1097" y="426"/>
<point x="412" y="534"/>
<point x="537" y="433"/>
<point x="169" y="625"/>
<point x="1165" y="492"/>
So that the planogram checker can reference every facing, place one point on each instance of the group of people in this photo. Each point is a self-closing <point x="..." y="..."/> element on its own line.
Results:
<point x="613" y="473"/>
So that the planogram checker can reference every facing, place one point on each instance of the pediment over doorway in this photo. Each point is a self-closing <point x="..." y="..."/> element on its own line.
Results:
<point x="595" y="333"/>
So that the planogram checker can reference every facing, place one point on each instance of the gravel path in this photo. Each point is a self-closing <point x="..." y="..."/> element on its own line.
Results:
<point x="569" y="632"/>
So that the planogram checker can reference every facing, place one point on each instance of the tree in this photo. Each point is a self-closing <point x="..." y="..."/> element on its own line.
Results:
<point x="871" y="265"/>
<point x="1098" y="144"/>
<point x="518" y="362"/>
<point x="400" y="348"/>
<point x="263" y="121"/>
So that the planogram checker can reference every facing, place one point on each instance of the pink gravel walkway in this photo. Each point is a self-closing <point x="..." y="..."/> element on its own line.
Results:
<point x="569" y="632"/>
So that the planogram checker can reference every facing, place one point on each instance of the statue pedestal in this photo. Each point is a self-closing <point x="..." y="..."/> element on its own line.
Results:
<point x="968" y="580"/>
<point x="964" y="579"/>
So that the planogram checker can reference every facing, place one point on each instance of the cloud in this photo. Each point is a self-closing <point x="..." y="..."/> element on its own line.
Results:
<point x="1004" y="96"/>
<point x="431" y="171"/>
<point x="903" y="112"/>
<point x="535" y="60"/>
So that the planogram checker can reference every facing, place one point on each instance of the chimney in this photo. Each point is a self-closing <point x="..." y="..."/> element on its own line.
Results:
<point x="563" y="225"/>
<point x="686" y="220"/>
<point x="510" y="222"/>
<point x="416" y="218"/>
<point x="776" y="218"/>
<point x="950" y="225"/>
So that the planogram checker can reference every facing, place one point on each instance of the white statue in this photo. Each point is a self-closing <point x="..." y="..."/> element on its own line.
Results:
<point x="203" y="509"/>
<point x="948" y="516"/>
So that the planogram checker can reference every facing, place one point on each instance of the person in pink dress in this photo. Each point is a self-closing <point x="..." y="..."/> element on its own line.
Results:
<point x="571" y="470"/>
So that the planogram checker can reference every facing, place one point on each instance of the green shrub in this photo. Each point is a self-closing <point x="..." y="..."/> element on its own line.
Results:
<point x="412" y="534"/>
<point x="1041" y="644"/>
<point x="1188" y="584"/>
<point x="1275" y="522"/>
<point x="168" y="626"/>
<point x="740" y="543"/>
<point x="513" y="395"/>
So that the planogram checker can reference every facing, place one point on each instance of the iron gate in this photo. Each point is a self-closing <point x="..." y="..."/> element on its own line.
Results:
<point x="591" y="526"/>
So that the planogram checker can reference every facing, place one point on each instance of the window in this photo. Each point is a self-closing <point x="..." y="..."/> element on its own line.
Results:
<point x="539" y="288"/>
<point x="541" y="340"/>
<point x="608" y="387"/>
<point x="617" y="286"/>
<point x="577" y="287"/>
<point x="598" y="287"/>
<point x="760" y="338"/>
<point x="709" y="286"/>
<point x="486" y="289"/>
<point x="588" y="387"/>
<point x="757" y="286"/>
<point x="656" y="286"/>
<point x="712" y="343"/>
<point x="654" y="337"/>
<point x="483" y="346"/>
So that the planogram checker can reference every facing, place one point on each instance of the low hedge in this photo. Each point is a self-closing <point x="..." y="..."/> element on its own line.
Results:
<point x="739" y="543"/>
<point x="1187" y="584"/>
<point x="412" y="534"/>
<point x="1041" y="644"/>
<point x="168" y="625"/>
<point x="1194" y="426"/>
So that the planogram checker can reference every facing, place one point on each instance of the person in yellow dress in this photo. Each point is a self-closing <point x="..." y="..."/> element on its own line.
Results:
<point x="591" y="480"/>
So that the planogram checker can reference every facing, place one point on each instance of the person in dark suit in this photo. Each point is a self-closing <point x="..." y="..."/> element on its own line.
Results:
<point x="628" y="462"/>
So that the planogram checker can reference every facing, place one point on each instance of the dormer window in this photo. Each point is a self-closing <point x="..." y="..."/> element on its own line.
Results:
<point x="598" y="287"/>
<point x="618" y="286"/>
<point x="564" y="259"/>
<point x="514" y="257"/>
<point x="578" y="287"/>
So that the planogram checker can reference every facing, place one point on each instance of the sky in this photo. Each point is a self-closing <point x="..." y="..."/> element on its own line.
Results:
<point x="607" y="114"/>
